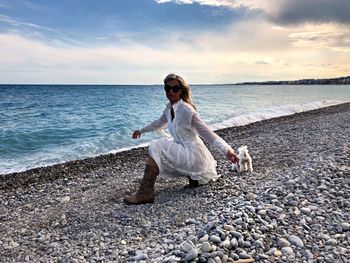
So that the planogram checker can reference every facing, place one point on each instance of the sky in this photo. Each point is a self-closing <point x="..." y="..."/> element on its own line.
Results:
<point x="141" y="41"/>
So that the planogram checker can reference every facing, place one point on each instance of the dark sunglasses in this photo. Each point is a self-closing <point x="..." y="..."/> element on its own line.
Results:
<point x="175" y="88"/>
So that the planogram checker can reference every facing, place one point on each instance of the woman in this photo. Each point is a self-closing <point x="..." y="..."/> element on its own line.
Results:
<point x="186" y="154"/>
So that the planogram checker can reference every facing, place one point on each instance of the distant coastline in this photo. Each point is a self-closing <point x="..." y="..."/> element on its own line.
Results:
<point x="329" y="81"/>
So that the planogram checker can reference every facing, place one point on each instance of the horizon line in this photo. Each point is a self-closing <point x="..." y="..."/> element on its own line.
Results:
<point x="196" y="84"/>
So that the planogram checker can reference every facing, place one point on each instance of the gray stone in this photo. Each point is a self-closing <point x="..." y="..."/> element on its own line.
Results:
<point x="307" y="253"/>
<point x="287" y="251"/>
<point x="220" y="253"/>
<point x="331" y="242"/>
<point x="244" y="255"/>
<point x="241" y="242"/>
<point x="259" y="243"/>
<point x="13" y="244"/>
<point x="140" y="257"/>
<point x="234" y="242"/>
<point x="202" y="260"/>
<point x="345" y="226"/>
<point x="204" y="238"/>
<point x="226" y="243"/>
<point x="293" y="239"/>
<point x="206" y="247"/>
<point x="271" y="251"/>
<point x="228" y="227"/>
<point x="341" y="250"/>
<point x="236" y="234"/>
<point x="262" y="212"/>
<point x="234" y="256"/>
<point x="305" y="210"/>
<point x="263" y="256"/>
<point x="186" y="246"/>
<point x="282" y="242"/>
<point x="192" y="254"/>
<point x="215" y="239"/>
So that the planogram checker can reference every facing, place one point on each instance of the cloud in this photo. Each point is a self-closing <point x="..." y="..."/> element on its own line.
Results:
<point x="330" y="36"/>
<point x="299" y="11"/>
<point x="16" y="23"/>
<point x="236" y="54"/>
<point x="286" y="11"/>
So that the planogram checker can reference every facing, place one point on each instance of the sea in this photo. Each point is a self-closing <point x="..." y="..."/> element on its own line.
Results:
<point x="42" y="125"/>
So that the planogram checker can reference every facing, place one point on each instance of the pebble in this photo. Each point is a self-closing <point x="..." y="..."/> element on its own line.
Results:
<point x="271" y="251"/>
<point x="288" y="251"/>
<point x="228" y="227"/>
<point x="226" y="243"/>
<point x="192" y="254"/>
<point x="140" y="257"/>
<point x="295" y="240"/>
<point x="234" y="242"/>
<point x="305" y="210"/>
<point x="262" y="212"/>
<point x="345" y="226"/>
<point x="206" y="247"/>
<point x="282" y="242"/>
<point x="308" y="254"/>
<point x="215" y="239"/>
<point x="65" y="199"/>
<point x="187" y="246"/>
<point x="277" y="253"/>
<point x="244" y="255"/>
<point x="13" y="244"/>
<point x="217" y="259"/>
<point x="204" y="238"/>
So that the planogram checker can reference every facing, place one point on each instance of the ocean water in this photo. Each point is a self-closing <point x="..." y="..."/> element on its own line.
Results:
<point x="42" y="125"/>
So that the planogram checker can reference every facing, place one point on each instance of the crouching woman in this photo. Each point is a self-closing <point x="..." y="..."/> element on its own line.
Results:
<point x="186" y="155"/>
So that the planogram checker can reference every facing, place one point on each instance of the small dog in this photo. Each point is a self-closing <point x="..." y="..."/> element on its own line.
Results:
<point x="245" y="161"/>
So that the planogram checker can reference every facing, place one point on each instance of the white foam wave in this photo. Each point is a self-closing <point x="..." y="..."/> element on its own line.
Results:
<point x="272" y="112"/>
<point x="129" y="148"/>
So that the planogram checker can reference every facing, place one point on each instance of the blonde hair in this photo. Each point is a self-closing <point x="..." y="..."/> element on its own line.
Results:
<point x="186" y="91"/>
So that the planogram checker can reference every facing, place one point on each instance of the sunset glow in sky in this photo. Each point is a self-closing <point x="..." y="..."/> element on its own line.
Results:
<point x="140" y="41"/>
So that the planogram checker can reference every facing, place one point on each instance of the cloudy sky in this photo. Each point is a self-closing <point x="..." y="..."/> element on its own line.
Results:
<point x="140" y="41"/>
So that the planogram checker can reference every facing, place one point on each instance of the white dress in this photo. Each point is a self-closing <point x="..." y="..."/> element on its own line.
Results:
<point x="186" y="155"/>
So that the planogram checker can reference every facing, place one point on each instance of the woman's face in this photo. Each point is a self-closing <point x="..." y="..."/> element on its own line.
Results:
<point x="172" y="96"/>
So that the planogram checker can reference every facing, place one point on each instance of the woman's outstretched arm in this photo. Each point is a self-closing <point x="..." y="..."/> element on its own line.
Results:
<point x="212" y="138"/>
<point x="155" y="125"/>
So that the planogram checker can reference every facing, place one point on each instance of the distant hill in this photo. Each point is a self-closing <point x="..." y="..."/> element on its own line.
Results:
<point x="333" y="81"/>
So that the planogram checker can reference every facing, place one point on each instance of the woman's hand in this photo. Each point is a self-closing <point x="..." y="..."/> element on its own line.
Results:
<point x="136" y="134"/>
<point x="231" y="156"/>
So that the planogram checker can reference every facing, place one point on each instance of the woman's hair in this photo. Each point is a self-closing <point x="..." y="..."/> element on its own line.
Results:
<point x="186" y="91"/>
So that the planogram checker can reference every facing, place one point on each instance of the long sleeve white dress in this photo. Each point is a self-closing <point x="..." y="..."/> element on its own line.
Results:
<point x="186" y="155"/>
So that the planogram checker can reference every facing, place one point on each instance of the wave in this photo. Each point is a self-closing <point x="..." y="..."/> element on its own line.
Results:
<point x="272" y="112"/>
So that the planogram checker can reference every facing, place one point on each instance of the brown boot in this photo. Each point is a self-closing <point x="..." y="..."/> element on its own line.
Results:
<point x="146" y="192"/>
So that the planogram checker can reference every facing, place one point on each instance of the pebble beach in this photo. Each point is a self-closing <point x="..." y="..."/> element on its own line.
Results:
<point x="294" y="206"/>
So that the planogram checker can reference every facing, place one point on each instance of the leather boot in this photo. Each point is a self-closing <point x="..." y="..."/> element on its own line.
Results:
<point x="192" y="183"/>
<point x="146" y="192"/>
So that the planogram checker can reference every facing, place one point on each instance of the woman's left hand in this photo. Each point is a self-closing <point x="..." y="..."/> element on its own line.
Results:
<point x="231" y="156"/>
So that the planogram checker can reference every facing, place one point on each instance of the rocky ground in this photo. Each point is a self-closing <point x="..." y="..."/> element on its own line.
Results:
<point x="294" y="207"/>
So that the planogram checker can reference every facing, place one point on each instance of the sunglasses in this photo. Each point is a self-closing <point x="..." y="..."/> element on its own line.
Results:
<point x="175" y="88"/>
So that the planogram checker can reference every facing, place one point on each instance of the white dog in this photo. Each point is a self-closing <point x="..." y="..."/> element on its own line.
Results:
<point x="245" y="161"/>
